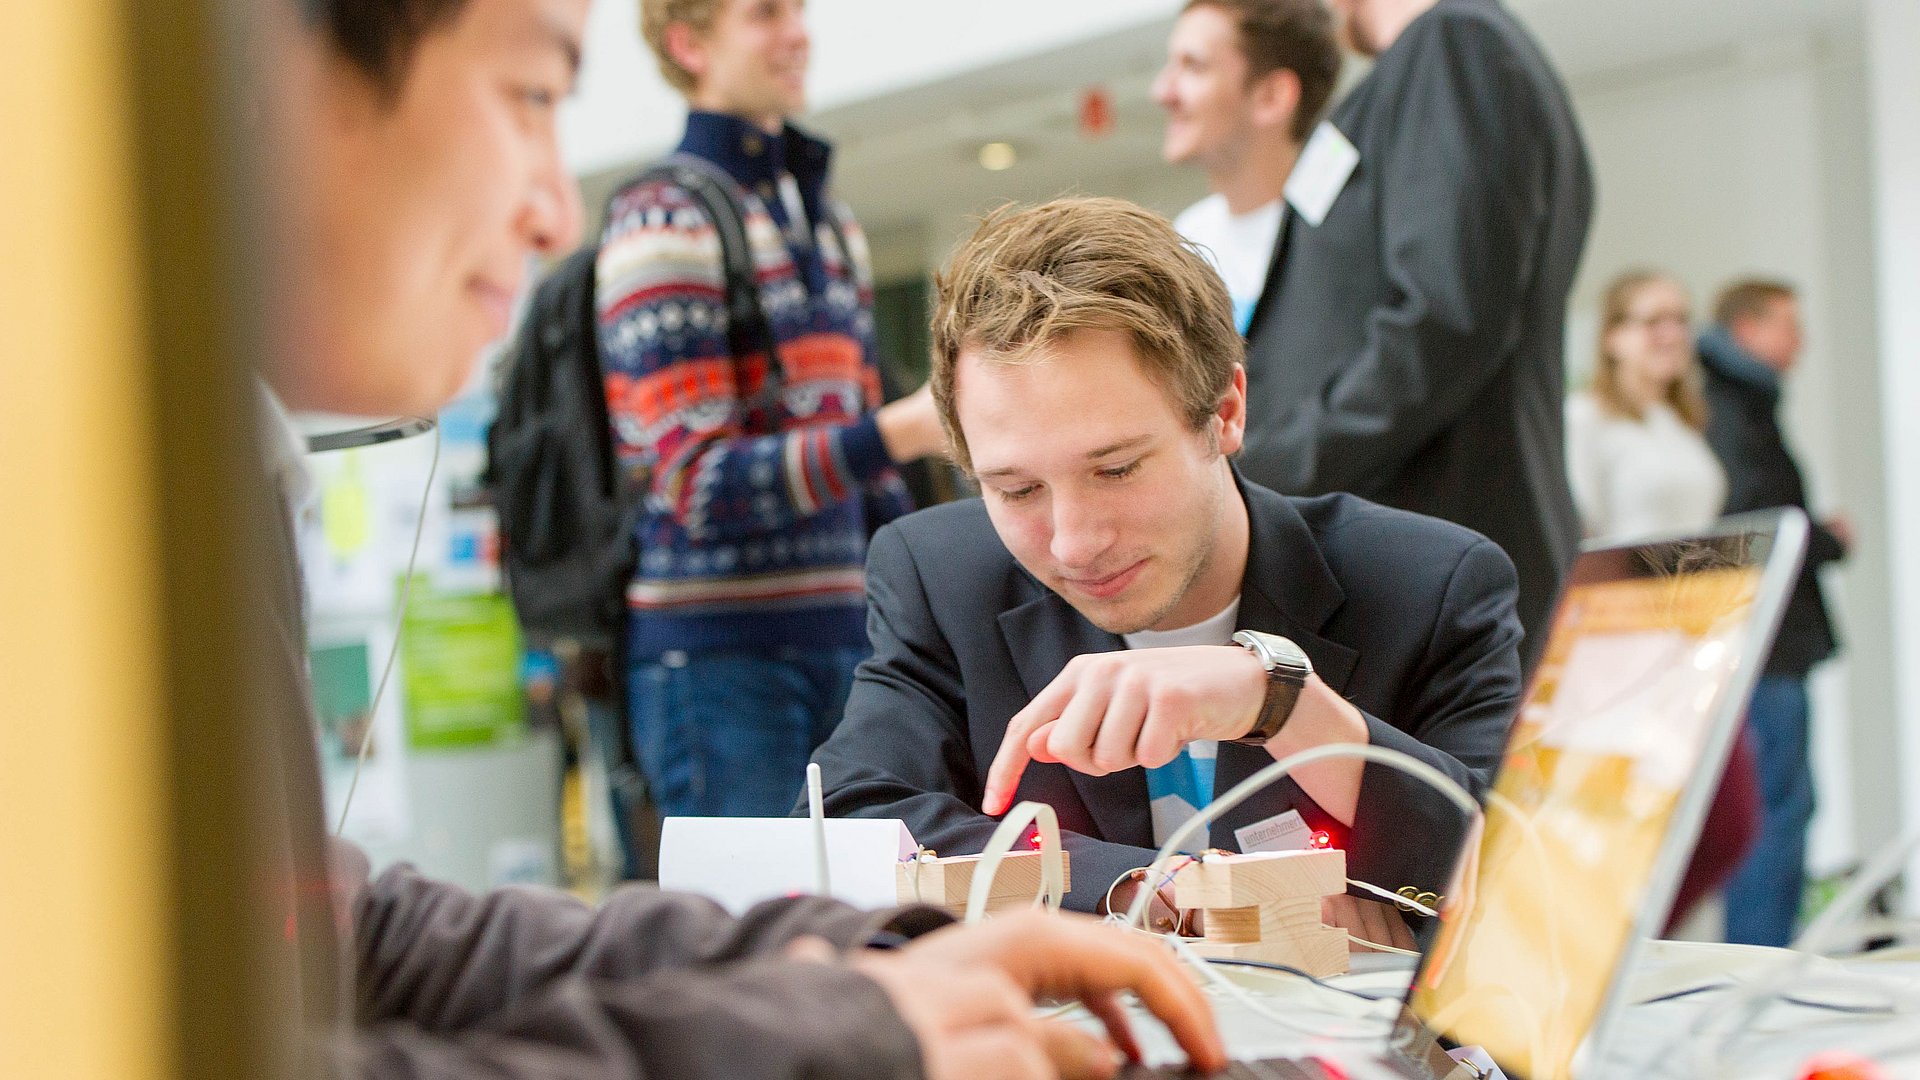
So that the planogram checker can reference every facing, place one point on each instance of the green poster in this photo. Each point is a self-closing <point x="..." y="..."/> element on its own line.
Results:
<point x="460" y="654"/>
<point x="342" y="698"/>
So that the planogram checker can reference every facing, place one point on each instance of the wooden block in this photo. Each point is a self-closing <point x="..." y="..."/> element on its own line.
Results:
<point x="1237" y="925"/>
<point x="946" y="881"/>
<point x="1321" y="951"/>
<point x="1238" y="881"/>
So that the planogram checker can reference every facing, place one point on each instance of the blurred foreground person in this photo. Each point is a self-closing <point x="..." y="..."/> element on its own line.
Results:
<point x="415" y="170"/>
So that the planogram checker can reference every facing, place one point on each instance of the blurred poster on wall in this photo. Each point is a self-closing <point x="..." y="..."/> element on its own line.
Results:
<point x="461" y="656"/>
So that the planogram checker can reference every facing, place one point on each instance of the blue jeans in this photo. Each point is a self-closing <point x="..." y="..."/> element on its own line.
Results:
<point x="1763" y="899"/>
<point x="728" y="733"/>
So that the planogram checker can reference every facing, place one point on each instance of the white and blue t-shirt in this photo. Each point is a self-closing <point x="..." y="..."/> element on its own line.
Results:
<point x="1240" y="247"/>
<point x="1177" y="790"/>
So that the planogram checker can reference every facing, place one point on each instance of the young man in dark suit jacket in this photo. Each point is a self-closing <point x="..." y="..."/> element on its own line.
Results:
<point x="1408" y="347"/>
<point x="418" y="171"/>
<point x="1067" y="635"/>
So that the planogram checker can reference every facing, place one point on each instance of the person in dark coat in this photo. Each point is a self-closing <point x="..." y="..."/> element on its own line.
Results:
<point x="415" y="169"/>
<point x="1754" y="343"/>
<point x="1408" y="347"/>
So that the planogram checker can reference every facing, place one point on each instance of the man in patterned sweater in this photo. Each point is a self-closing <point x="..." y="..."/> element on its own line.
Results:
<point x="765" y="475"/>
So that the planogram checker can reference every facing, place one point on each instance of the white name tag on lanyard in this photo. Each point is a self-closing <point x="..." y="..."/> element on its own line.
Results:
<point x="1322" y="171"/>
<point x="1281" y="832"/>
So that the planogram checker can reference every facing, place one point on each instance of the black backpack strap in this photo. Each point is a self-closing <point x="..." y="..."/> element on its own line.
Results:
<point x="748" y="330"/>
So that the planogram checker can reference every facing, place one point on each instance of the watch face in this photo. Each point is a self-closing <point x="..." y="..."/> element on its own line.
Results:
<point x="1285" y="651"/>
<point x="1276" y="653"/>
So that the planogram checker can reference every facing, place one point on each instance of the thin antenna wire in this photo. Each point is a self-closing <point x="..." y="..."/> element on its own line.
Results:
<point x="816" y="809"/>
<point x="399" y="622"/>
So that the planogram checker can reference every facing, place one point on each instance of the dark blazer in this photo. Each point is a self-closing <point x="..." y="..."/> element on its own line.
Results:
<point x="1408" y="349"/>
<point x="1410" y="618"/>
<point x="1744" y="431"/>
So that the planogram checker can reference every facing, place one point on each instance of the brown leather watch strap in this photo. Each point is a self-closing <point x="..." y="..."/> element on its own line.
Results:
<point x="1282" y="694"/>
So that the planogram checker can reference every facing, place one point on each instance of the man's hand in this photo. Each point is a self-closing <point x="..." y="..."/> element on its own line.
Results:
<point x="1110" y="711"/>
<point x="1368" y="920"/>
<point x="910" y="427"/>
<point x="967" y="993"/>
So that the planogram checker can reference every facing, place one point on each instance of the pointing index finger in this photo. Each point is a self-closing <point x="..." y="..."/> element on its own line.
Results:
<point x="1011" y="761"/>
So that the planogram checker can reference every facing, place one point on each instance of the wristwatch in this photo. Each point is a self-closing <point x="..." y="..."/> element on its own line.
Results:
<point x="1287" y="670"/>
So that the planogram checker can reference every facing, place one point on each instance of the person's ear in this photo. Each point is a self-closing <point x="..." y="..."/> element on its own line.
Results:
<point x="1276" y="98"/>
<point x="687" y="47"/>
<point x="1229" y="420"/>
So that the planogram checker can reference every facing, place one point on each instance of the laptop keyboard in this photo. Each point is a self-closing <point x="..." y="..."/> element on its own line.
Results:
<point x="1239" y="1070"/>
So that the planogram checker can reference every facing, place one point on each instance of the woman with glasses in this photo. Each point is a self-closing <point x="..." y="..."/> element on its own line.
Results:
<point x="1637" y="457"/>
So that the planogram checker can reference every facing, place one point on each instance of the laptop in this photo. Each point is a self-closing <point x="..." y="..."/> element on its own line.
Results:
<point x="1607" y="775"/>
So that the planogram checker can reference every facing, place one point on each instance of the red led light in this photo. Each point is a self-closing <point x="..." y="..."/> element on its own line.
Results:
<point x="1840" y="1065"/>
<point x="1322" y="840"/>
<point x="1033" y="838"/>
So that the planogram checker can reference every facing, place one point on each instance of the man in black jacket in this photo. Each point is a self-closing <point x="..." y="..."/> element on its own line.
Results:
<point x="417" y="171"/>
<point x="1408" y="346"/>
<point x="1070" y="637"/>
<point x="1754" y="344"/>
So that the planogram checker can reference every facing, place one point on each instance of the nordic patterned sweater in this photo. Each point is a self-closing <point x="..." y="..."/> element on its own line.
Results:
<point x="754" y="530"/>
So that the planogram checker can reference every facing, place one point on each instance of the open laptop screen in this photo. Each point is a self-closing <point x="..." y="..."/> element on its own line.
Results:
<point x="1599" y="797"/>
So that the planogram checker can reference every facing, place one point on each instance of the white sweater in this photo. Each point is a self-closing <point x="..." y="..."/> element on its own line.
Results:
<point x="1632" y="478"/>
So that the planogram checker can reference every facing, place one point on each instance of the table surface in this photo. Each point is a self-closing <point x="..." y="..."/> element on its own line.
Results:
<point x="1868" y="1006"/>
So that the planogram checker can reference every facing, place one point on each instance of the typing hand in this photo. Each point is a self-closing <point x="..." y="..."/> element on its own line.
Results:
<point x="967" y="993"/>
<point x="1110" y="711"/>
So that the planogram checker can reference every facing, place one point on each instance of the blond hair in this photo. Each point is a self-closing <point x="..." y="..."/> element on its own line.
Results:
<point x="1030" y="275"/>
<point x="657" y="15"/>
<point x="1683" y="393"/>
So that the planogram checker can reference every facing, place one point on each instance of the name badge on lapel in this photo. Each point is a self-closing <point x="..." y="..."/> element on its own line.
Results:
<point x="1281" y="832"/>
<point x="1322" y="171"/>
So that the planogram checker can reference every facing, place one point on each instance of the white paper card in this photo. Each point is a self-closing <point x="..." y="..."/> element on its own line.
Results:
<point x="742" y="861"/>
<point x="1322" y="171"/>
<point x="1281" y="832"/>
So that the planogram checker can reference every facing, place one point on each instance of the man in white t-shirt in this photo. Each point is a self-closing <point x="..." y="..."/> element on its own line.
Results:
<point x="1244" y="83"/>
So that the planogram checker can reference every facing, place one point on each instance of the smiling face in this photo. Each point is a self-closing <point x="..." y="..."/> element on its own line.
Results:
<point x="752" y="62"/>
<point x="409" y="217"/>
<point x="1203" y="88"/>
<point x="1100" y="488"/>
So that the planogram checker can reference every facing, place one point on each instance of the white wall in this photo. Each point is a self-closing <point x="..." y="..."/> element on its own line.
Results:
<point x="1893" y="92"/>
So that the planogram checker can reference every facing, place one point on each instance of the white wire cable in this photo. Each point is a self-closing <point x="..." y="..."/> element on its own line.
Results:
<point x="1750" y="999"/>
<point x="393" y="653"/>
<point x="1245" y="789"/>
<point x="1392" y="898"/>
<point x="1377" y="947"/>
<point x="1239" y="994"/>
<point x="1052" y="860"/>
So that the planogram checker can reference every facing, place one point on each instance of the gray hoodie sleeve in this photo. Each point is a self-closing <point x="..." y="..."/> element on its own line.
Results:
<point x="533" y="983"/>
